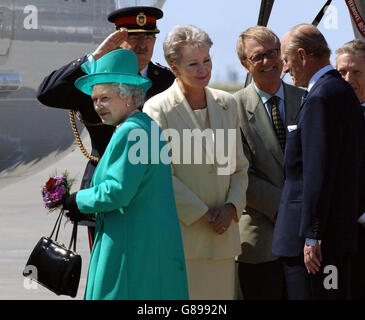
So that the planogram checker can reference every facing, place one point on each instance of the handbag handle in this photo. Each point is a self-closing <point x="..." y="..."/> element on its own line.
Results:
<point x="73" y="237"/>
<point x="74" y="231"/>
<point x="57" y="225"/>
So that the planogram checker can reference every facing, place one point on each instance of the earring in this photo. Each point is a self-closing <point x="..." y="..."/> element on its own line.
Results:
<point x="128" y="105"/>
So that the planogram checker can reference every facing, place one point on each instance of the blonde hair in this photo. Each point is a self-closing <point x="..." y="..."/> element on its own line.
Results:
<point x="258" y="33"/>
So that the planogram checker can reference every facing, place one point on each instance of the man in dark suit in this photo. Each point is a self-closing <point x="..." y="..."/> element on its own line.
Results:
<point x="136" y="31"/>
<point x="350" y="63"/>
<point x="316" y="228"/>
<point x="260" y="273"/>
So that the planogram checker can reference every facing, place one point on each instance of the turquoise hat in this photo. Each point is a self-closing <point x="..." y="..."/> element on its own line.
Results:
<point x="120" y="66"/>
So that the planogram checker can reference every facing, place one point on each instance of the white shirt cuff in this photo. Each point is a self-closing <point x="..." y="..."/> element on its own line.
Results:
<point x="361" y="219"/>
<point x="311" y="242"/>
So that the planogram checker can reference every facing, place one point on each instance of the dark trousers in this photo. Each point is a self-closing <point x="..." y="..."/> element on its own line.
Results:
<point x="262" y="281"/>
<point x="331" y="282"/>
<point x="358" y="268"/>
<point x="85" y="184"/>
<point x="296" y="278"/>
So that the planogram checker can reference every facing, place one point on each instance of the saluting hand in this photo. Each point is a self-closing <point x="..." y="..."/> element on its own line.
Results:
<point x="112" y="42"/>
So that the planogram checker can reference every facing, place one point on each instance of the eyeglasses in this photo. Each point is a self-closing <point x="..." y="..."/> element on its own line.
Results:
<point x="269" y="54"/>
<point x="134" y="38"/>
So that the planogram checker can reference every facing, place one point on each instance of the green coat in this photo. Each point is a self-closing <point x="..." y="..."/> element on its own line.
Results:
<point x="138" y="252"/>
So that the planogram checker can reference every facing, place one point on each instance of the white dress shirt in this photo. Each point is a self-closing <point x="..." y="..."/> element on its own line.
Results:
<point x="144" y="72"/>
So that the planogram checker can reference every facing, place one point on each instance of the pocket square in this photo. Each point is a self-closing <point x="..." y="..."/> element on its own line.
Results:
<point x="292" y="128"/>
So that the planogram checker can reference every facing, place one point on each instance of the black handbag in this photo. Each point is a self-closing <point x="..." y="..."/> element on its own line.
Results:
<point x="54" y="266"/>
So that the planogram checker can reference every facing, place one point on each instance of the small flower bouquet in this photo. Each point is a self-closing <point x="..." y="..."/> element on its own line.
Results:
<point x="55" y="190"/>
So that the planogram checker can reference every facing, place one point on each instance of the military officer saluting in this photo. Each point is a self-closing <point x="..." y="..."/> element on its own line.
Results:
<point x="140" y="23"/>
<point x="136" y="30"/>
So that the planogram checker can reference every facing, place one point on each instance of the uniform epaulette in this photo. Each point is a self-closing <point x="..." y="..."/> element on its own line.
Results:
<point x="161" y="66"/>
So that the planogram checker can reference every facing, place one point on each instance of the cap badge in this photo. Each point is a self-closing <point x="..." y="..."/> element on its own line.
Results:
<point x="141" y="19"/>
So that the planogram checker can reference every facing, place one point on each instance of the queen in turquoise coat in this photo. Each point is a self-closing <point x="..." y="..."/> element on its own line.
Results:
<point x="138" y="252"/>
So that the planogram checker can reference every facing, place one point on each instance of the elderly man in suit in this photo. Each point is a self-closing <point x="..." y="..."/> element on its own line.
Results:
<point x="316" y="228"/>
<point x="258" y="48"/>
<point x="57" y="89"/>
<point x="350" y="63"/>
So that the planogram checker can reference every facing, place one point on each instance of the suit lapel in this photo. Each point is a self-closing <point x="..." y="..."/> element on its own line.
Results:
<point x="187" y="115"/>
<point x="152" y="72"/>
<point x="333" y="73"/>
<point x="218" y="120"/>
<point x="182" y="108"/>
<point x="215" y="110"/>
<point x="260" y="122"/>
<point x="292" y="106"/>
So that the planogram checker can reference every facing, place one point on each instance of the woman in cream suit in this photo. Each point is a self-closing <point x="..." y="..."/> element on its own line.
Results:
<point x="210" y="174"/>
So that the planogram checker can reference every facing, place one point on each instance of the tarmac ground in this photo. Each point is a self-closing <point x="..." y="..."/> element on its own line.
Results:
<point x="24" y="220"/>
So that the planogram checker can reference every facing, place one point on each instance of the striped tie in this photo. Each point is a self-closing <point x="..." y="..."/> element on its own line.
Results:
<point x="277" y="121"/>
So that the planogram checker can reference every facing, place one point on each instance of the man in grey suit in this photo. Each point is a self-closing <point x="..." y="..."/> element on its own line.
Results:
<point x="266" y="107"/>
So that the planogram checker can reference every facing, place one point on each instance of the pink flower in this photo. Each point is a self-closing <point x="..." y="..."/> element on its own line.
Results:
<point x="55" y="190"/>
